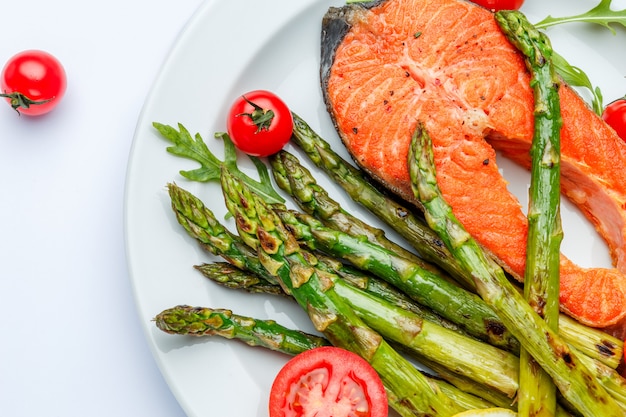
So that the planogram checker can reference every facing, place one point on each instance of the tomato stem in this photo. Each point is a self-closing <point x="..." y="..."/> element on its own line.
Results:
<point x="19" y="100"/>
<point x="261" y="117"/>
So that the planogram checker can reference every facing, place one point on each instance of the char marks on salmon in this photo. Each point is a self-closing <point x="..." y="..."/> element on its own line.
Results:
<point x="389" y="64"/>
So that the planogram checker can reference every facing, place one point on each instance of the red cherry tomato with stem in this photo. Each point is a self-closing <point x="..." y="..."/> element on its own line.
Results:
<point x="259" y="123"/>
<point x="33" y="82"/>
<point x="500" y="4"/>
<point x="328" y="381"/>
<point x="614" y="115"/>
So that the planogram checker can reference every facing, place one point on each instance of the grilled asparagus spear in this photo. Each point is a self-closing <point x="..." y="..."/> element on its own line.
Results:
<point x="204" y="321"/>
<point x="228" y="275"/>
<point x="594" y="343"/>
<point x="537" y="394"/>
<point x="576" y="383"/>
<point x="201" y="223"/>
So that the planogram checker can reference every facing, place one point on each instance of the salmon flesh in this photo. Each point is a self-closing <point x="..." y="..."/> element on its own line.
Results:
<point x="389" y="64"/>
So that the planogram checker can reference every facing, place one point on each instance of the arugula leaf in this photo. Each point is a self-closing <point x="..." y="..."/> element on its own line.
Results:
<point x="576" y="77"/>
<point x="601" y="15"/>
<point x="194" y="148"/>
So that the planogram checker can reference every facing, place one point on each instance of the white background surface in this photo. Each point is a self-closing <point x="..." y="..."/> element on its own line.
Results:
<point x="71" y="342"/>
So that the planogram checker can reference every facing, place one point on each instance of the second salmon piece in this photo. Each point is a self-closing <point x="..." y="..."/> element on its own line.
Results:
<point x="446" y="63"/>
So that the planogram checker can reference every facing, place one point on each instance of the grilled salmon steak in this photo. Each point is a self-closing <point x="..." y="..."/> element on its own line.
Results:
<point x="387" y="65"/>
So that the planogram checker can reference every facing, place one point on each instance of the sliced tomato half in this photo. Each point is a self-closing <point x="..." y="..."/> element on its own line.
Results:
<point x="328" y="381"/>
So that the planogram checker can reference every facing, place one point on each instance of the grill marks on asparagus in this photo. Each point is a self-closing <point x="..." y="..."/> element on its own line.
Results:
<point x="228" y="275"/>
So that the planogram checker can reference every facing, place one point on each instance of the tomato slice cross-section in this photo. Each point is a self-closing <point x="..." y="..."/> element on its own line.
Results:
<point x="327" y="382"/>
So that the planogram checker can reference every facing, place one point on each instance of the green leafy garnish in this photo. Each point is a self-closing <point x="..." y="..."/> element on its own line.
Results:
<point x="576" y="77"/>
<point x="601" y="15"/>
<point x="194" y="148"/>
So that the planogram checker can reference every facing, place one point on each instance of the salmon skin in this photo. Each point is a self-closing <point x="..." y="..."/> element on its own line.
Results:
<point x="388" y="64"/>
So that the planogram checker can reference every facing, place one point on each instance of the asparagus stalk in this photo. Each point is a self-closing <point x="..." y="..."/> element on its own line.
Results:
<point x="281" y="256"/>
<point x="495" y="397"/>
<point x="466" y="384"/>
<point x="398" y="216"/>
<point x="204" y="321"/>
<point x="464" y="308"/>
<point x="577" y="384"/>
<point x="480" y="362"/>
<point x="594" y="343"/>
<point x="389" y="293"/>
<point x="608" y="377"/>
<point x="298" y="182"/>
<point x="230" y="276"/>
<point x="537" y="396"/>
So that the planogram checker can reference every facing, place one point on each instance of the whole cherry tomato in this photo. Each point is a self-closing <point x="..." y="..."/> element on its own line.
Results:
<point x="615" y="116"/>
<point x="328" y="381"/>
<point x="500" y="4"/>
<point x="33" y="82"/>
<point x="259" y="123"/>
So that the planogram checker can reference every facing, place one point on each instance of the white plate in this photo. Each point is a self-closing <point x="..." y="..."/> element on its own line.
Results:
<point x="230" y="47"/>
